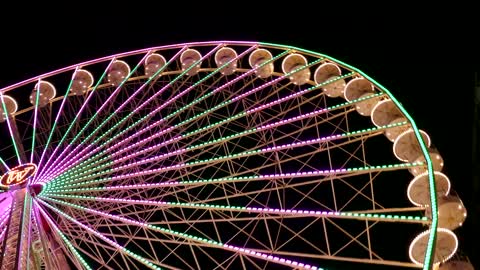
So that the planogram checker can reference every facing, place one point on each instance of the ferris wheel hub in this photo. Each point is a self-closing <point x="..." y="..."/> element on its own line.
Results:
<point x="35" y="189"/>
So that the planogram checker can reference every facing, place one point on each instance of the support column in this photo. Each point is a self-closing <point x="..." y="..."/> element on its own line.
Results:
<point x="13" y="249"/>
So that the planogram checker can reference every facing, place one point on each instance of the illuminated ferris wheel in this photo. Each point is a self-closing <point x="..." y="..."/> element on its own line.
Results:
<point x="217" y="155"/>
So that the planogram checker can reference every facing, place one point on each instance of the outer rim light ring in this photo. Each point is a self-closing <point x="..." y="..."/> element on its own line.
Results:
<point x="426" y="233"/>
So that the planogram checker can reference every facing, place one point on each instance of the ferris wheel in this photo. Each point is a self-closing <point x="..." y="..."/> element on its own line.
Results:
<point x="218" y="155"/>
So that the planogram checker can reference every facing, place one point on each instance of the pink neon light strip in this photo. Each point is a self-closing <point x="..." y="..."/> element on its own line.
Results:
<point x="63" y="168"/>
<point x="81" y="110"/>
<point x="259" y="210"/>
<point x="264" y="127"/>
<point x="40" y="169"/>
<point x="35" y="120"/>
<point x="154" y="111"/>
<point x="245" y="251"/>
<point x="99" y="235"/>
<point x="4" y="108"/>
<point x="121" y="55"/>
<point x="146" y="102"/>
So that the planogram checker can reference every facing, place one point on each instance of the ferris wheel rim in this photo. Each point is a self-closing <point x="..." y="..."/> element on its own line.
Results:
<point x="267" y="45"/>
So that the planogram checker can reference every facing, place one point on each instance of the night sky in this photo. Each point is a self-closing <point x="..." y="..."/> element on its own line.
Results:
<point x="425" y="57"/>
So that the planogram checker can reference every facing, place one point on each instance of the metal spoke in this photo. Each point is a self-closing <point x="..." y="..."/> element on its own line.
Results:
<point x="215" y="155"/>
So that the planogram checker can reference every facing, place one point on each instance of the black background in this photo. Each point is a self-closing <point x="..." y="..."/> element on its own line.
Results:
<point x="426" y="56"/>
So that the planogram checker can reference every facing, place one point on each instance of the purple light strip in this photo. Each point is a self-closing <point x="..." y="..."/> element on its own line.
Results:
<point x="183" y="165"/>
<point x="50" y="221"/>
<point x="76" y="160"/>
<point x="195" y="147"/>
<point x="270" y="258"/>
<point x="293" y="119"/>
<point x="147" y="160"/>
<point x="3" y="221"/>
<point x="4" y="165"/>
<point x="35" y="119"/>
<point x="5" y="216"/>
<point x="278" y="101"/>
<point x="162" y="120"/>
<point x="2" y="234"/>
<point x="151" y="113"/>
<point x="138" y="108"/>
<point x="175" y="139"/>
<point x="122" y="249"/>
<point x="239" y="155"/>
<point x="29" y="230"/>
<point x="39" y="165"/>
<point x="244" y="178"/>
<point x="112" y="95"/>
<point x="140" y="88"/>
<point x="165" y="143"/>
<point x="216" y="244"/>
<point x="264" y="127"/>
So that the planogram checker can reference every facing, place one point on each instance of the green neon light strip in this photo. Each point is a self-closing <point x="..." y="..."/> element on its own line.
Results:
<point x="133" y="112"/>
<point x="111" y="115"/>
<point x="78" y="114"/>
<point x="187" y="164"/>
<point x="26" y="212"/>
<point x="242" y="114"/>
<point x="223" y="139"/>
<point x="4" y="164"/>
<point x="49" y="188"/>
<point x="170" y="83"/>
<point x="64" y="238"/>
<point x="185" y="107"/>
<point x="39" y="169"/>
<point x="242" y="209"/>
<point x="83" y="171"/>
<point x="431" y="175"/>
<point x="4" y="106"/>
<point x="264" y="150"/>
<point x="196" y="101"/>
<point x="212" y="243"/>
<point x="37" y="97"/>
<point x="86" y="174"/>
<point x="121" y="249"/>
<point x="72" y="248"/>
<point x="5" y="216"/>
<point x="433" y="199"/>
<point x="269" y="149"/>
<point x="29" y="227"/>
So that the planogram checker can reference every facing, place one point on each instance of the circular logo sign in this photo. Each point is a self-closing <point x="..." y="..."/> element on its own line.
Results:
<point x="19" y="174"/>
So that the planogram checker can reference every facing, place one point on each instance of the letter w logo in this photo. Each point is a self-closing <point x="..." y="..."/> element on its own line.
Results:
<point x="15" y="177"/>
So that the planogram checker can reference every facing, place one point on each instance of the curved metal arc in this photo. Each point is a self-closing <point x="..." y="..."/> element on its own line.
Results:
<point x="37" y="97"/>
<point x="433" y="199"/>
